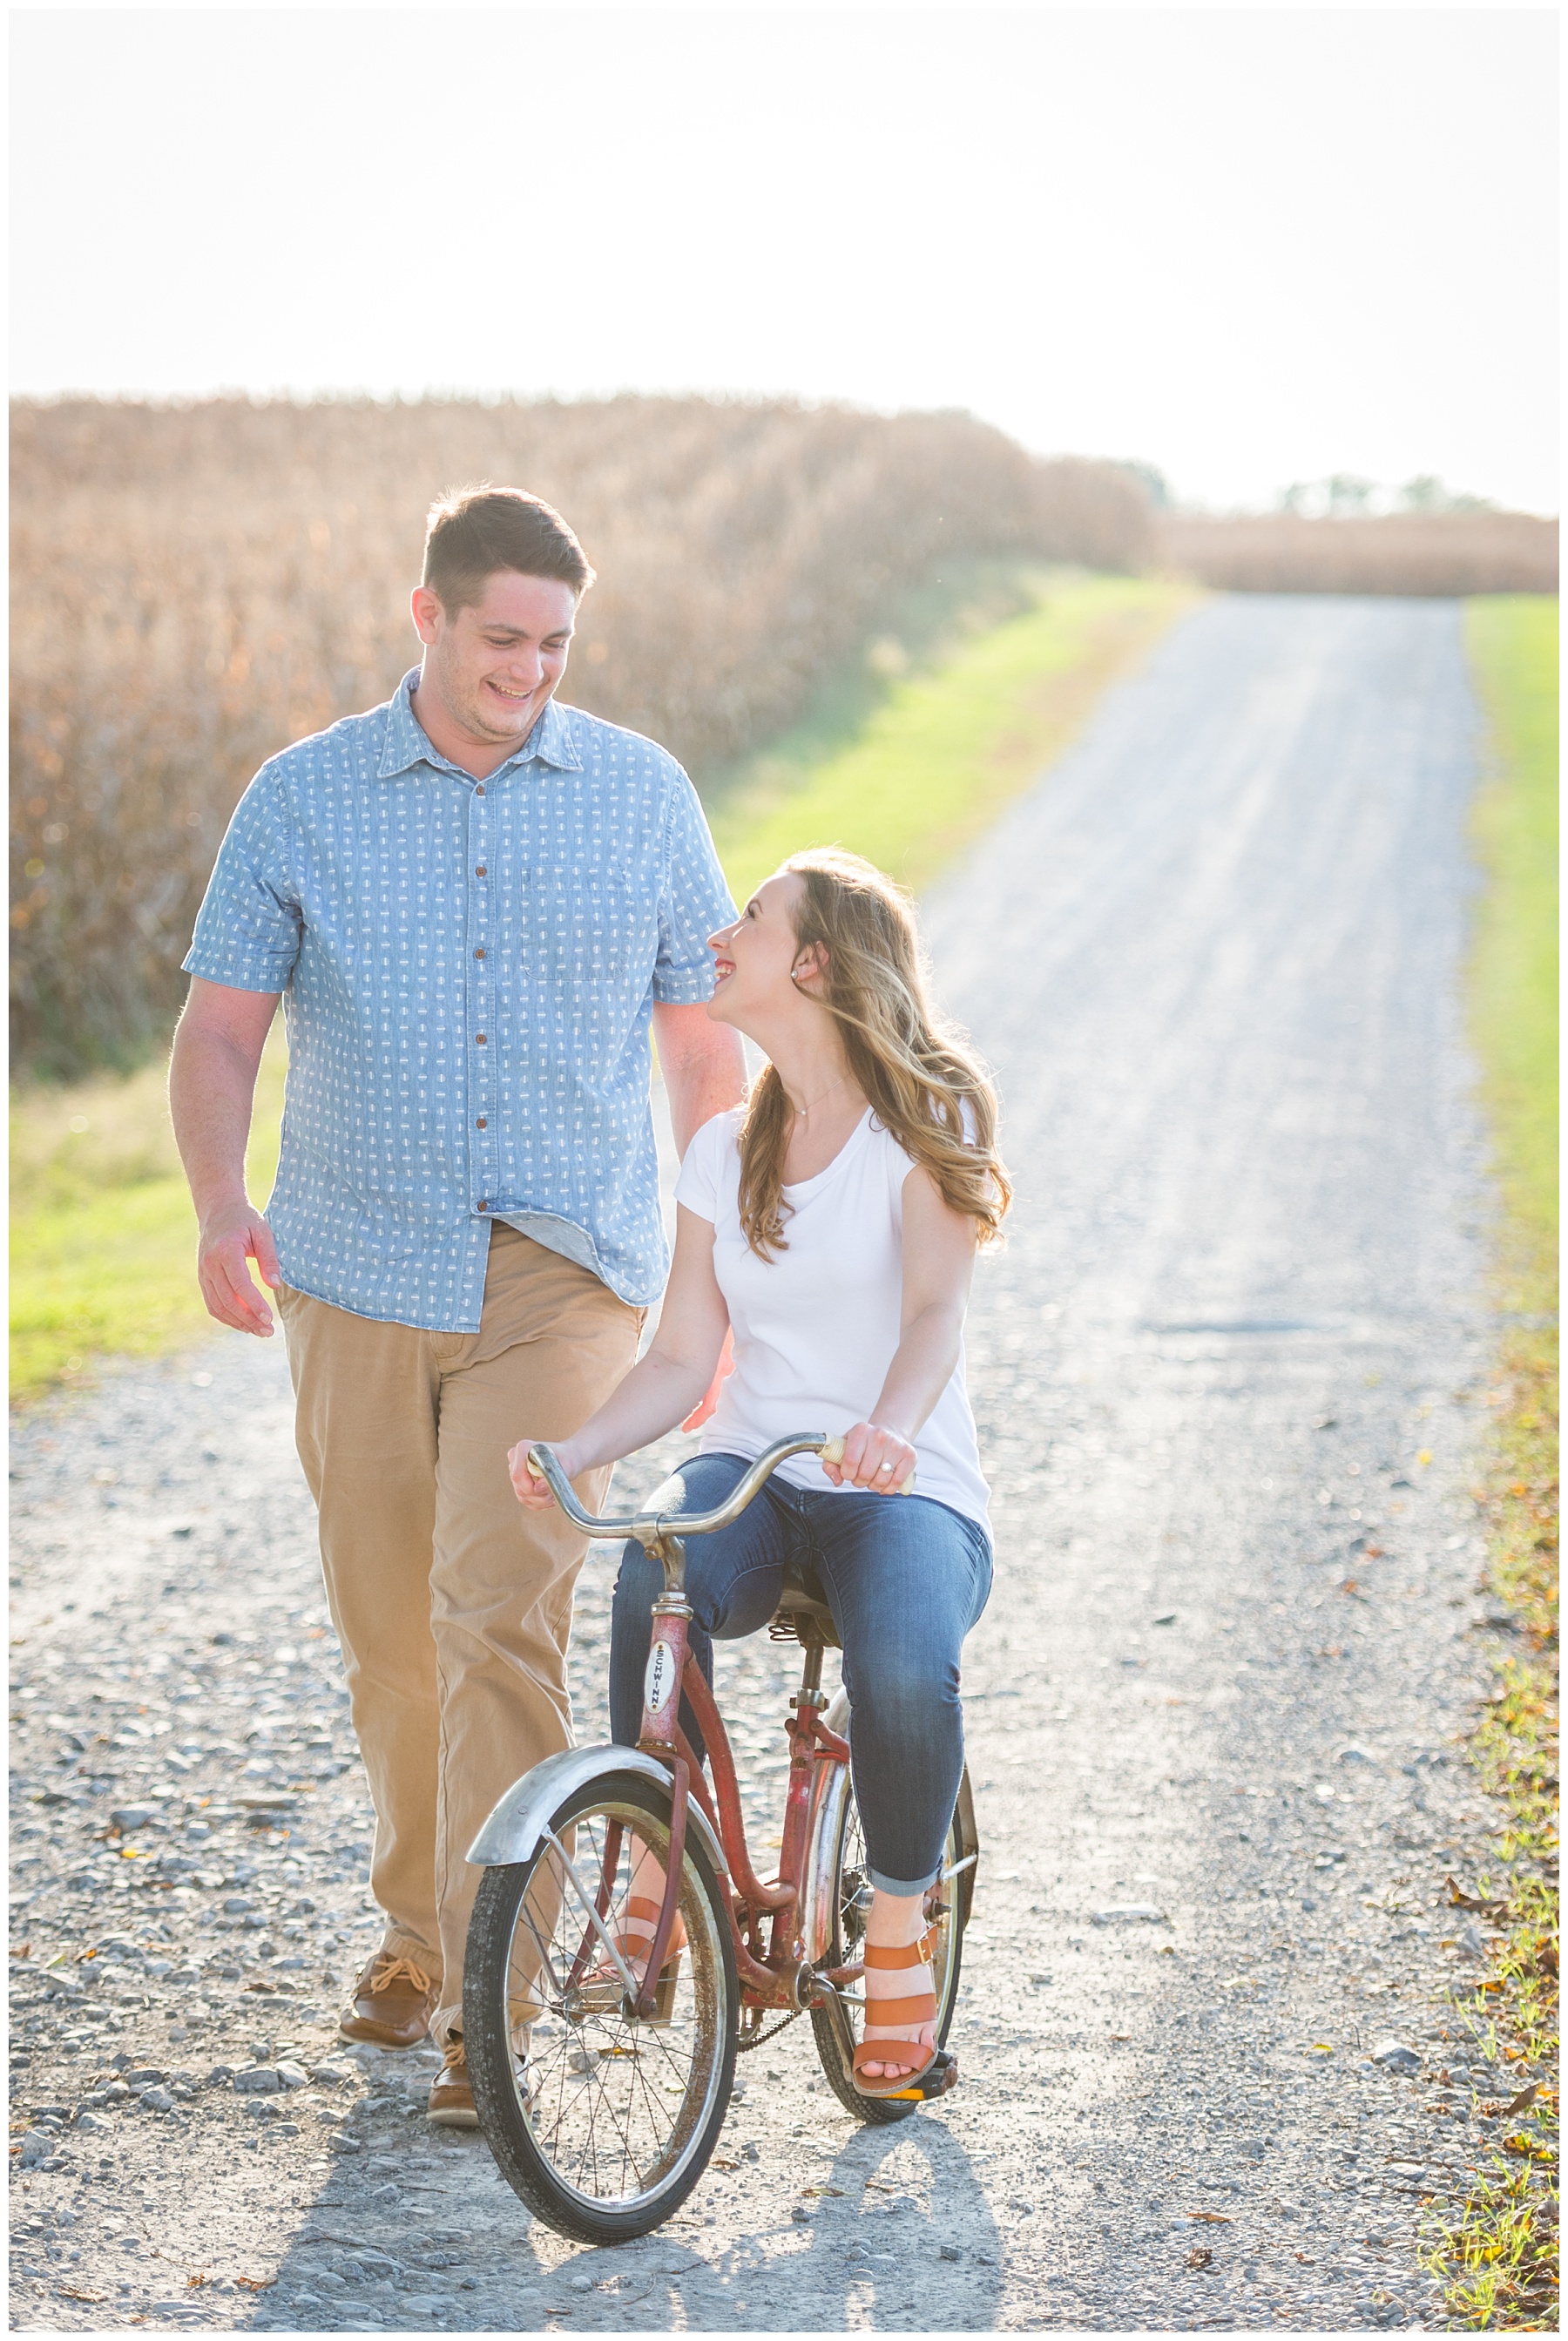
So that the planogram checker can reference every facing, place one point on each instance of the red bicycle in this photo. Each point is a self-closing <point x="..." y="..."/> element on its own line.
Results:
<point x="601" y="2093"/>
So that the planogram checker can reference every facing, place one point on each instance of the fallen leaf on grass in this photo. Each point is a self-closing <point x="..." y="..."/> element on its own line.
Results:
<point x="1320" y="2048"/>
<point x="1199" y="2257"/>
<point x="1517" y="2105"/>
<point x="718" y="2163"/>
<point x="255" y="2283"/>
<point x="1456" y="1894"/>
<point x="22" y="1951"/>
<point x="1212" y="2218"/>
<point x="193" y="2281"/>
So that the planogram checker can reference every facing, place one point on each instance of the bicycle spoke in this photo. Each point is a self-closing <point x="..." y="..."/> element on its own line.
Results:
<point x="613" y="2102"/>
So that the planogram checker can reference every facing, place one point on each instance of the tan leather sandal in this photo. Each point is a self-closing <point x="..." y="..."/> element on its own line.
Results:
<point x="603" y="1991"/>
<point x="918" y="2007"/>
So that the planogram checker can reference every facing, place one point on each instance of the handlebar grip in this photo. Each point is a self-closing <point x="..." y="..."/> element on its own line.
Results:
<point x="833" y="1452"/>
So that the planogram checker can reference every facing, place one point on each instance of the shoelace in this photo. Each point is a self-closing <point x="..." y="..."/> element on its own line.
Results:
<point x="387" y="1970"/>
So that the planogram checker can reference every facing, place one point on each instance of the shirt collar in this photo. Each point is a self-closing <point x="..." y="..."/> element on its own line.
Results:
<point x="406" y="742"/>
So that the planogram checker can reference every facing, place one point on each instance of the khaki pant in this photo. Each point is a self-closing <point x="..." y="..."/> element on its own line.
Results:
<point x="453" y="1605"/>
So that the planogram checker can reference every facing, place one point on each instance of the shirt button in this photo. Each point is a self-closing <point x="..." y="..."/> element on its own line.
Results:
<point x="478" y="1037"/>
<point x="480" y="953"/>
<point x="481" y="1123"/>
<point x="482" y="1205"/>
<point x="478" y="871"/>
<point x="480" y="791"/>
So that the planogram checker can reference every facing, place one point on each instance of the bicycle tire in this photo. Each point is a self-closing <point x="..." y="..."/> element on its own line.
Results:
<point x="836" y="2026"/>
<point x="556" y="2118"/>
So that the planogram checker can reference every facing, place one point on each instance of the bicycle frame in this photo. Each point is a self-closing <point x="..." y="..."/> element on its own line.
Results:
<point x="781" y="1975"/>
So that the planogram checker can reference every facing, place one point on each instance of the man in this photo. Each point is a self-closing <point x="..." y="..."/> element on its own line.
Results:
<point x="473" y="903"/>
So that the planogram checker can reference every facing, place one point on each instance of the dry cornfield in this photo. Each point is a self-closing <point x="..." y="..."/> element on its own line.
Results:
<point x="195" y="585"/>
<point x="1417" y="553"/>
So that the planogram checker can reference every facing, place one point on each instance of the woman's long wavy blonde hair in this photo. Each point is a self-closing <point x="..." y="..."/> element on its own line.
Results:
<point x="924" y="1082"/>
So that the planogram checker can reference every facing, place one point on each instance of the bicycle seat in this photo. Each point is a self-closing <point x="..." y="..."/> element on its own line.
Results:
<point x="803" y="1615"/>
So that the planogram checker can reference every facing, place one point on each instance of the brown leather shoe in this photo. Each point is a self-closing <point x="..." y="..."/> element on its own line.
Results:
<point x="451" y="2098"/>
<point x="394" y="2000"/>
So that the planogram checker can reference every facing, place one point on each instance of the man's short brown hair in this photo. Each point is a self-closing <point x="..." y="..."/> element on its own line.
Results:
<point x="473" y="532"/>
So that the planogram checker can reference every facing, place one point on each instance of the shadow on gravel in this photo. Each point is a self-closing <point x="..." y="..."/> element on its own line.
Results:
<point x="908" y="2228"/>
<point x="896" y="2223"/>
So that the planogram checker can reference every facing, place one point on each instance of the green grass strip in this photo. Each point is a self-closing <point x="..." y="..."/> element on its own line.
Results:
<point x="1513" y="643"/>
<point x="102" y="1235"/>
<point x="103" y="1238"/>
<point x="945" y="752"/>
<point x="1497" y="2255"/>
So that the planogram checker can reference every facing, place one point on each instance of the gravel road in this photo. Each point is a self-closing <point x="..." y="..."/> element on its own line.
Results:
<point x="1226" y="1373"/>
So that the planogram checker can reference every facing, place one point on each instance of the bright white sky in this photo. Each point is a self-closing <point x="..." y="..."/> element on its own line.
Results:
<point x="1250" y="245"/>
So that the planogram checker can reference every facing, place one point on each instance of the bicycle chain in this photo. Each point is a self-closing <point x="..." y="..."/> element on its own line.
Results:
<point x="757" y="2039"/>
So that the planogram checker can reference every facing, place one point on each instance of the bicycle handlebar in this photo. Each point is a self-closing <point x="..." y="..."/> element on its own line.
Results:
<point x="652" y="1526"/>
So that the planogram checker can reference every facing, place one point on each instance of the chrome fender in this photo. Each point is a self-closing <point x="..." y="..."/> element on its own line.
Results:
<point x="518" y="1823"/>
<point x="830" y="1788"/>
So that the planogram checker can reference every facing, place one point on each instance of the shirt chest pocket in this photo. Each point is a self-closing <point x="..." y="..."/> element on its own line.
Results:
<point x="585" y="927"/>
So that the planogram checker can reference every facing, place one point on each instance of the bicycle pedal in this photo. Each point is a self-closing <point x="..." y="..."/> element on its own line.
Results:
<point x="942" y="2077"/>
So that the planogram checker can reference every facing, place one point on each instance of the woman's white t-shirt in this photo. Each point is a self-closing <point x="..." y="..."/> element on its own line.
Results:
<point x="816" y="1325"/>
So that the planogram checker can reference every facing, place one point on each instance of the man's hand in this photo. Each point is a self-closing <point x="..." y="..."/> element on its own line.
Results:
<point x="874" y="1458"/>
<point x="229" y="1240"/>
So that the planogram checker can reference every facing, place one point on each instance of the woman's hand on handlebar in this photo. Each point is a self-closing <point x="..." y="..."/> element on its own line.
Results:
<point x="875" y="1458"/>
<point x="534" y="1494"/>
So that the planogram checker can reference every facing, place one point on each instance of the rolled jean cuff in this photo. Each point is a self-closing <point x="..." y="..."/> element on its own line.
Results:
<point x="900" y="1886"/>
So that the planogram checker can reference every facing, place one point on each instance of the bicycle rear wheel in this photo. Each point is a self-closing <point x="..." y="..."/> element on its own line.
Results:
<point x="602" y="2123"/>
<point x="837" y="2027"/>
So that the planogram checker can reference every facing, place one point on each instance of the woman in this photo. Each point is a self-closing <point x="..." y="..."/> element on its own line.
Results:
<point x="831" y="1225"/>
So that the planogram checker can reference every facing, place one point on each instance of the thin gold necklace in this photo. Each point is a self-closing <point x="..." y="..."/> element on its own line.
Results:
<point x="802" y="1111"/>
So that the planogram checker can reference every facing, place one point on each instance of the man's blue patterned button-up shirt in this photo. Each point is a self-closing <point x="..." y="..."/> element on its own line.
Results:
<point x="468" y="970"/>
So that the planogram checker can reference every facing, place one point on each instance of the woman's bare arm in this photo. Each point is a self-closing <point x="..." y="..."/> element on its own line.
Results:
<point x="663" y="1386"/>
<point x="939" y="1246"/>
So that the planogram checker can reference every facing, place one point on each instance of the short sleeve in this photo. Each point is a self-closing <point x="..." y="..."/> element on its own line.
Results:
<point x="248" y="928"/>
<point x="709" y="1156"/>
<point x="694" y="902"/>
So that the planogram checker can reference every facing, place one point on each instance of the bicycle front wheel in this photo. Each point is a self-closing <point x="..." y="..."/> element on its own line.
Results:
<point x="600" y="2122"/>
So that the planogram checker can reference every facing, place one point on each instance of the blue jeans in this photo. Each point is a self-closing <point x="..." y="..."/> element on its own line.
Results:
<point x="906" y="1577"/>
